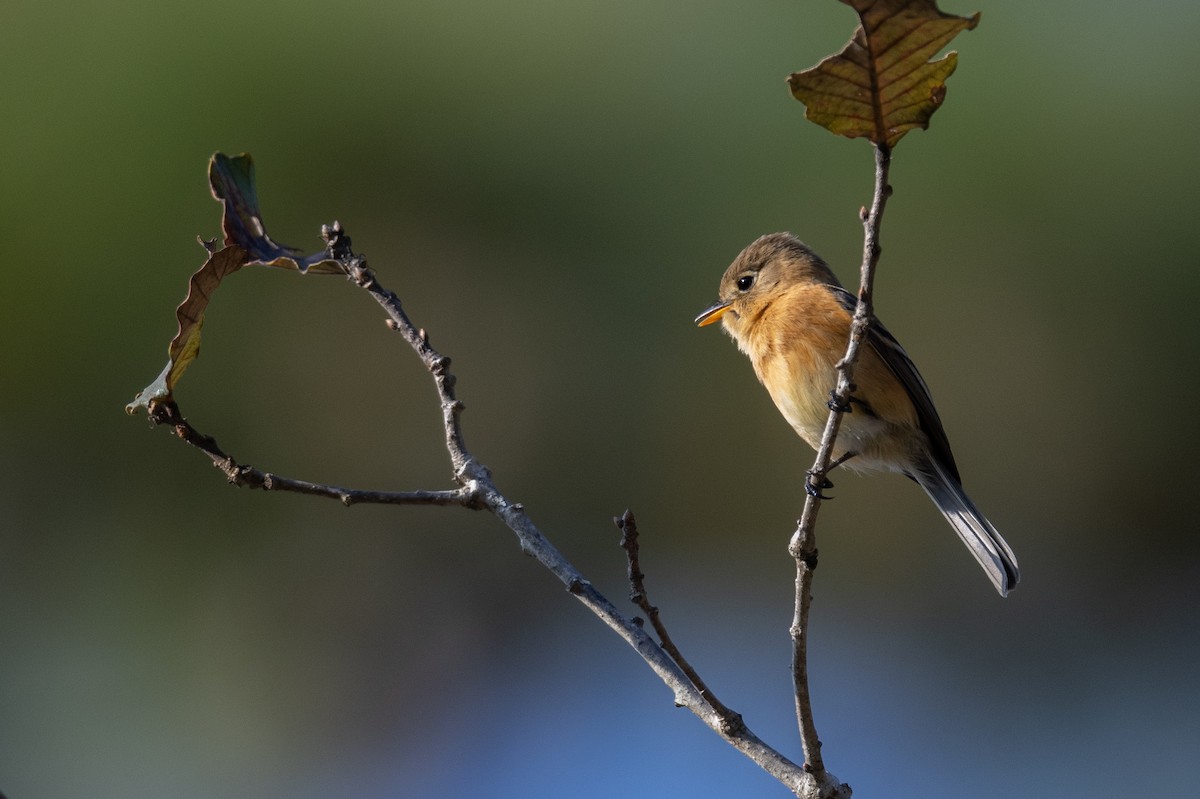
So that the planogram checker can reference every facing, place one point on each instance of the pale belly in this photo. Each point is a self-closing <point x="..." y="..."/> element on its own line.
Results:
<point x="803" y="399"/>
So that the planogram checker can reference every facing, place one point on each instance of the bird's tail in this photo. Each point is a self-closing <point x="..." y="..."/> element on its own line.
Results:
<point x="993" y="554"/>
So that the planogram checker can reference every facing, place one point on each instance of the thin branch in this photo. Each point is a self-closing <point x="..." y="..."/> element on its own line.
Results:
<point x="803" y="546"/>
<point x="731" y="720"/>
<point x="438" y="365"/>
<point x="167" y="412"/>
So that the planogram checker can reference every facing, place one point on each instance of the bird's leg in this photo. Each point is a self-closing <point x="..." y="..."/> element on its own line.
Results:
<point x="835" y="404"/>
<point x="840" y="459"/>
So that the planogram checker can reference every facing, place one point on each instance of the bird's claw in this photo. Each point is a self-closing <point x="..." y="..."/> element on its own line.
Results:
<point x="815" y="489"/>
<point x="837" y="404"/>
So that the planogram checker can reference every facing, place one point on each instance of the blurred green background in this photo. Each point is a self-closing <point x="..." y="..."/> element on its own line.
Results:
<point x="554" y="189"/>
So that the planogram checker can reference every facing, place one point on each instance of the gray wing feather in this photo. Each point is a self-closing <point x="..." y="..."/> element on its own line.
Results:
<point x="892" y="354"/>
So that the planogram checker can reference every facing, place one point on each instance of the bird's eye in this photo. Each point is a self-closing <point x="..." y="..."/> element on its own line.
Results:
<point x="745" y="282"/>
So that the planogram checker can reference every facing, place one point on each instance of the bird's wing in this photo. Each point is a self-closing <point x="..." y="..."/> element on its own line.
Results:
<point x="892" y="354"/>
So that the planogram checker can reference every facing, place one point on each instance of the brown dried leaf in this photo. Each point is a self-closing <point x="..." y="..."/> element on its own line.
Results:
<point x="184" y="348"/>
<point x="882" y="84"/>
<point x="246" y="243"/>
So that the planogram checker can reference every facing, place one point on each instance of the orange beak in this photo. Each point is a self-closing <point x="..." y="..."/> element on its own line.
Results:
<point x="712" y="314"/>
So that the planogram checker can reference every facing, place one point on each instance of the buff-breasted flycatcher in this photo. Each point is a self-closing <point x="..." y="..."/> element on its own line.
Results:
<point x="786" y="310"/>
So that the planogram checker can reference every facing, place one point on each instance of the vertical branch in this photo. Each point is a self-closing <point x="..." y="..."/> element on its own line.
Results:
<point x="803" y="546"/>
<point x="809" y="742"/>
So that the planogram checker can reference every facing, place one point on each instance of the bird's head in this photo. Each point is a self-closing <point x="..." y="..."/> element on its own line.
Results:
<point x="762" y="272"/>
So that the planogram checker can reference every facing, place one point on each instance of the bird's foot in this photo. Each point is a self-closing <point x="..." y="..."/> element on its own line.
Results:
<point x="836" y="403"/>
<point x="813" y="487"/>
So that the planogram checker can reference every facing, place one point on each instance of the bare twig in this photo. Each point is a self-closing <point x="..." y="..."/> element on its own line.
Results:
<point x="475" y="477"/>
<point x="168" y="413"/>
<point x="477" y="490"/>
<point x="803" y="546"/>
<point x="731" y="721"/>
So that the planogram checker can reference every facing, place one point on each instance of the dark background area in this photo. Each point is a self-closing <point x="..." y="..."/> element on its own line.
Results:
<point x="554" y="190"/>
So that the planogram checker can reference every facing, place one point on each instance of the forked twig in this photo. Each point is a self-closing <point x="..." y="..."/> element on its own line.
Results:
<point x="476" y="489"/>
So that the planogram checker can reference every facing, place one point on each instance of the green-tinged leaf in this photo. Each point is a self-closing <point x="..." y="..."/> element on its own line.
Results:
<point x="246" y="243"/>
<point x="186" y="345"/>
<point x="882" y="84"/>
<point x="232" y="183"/>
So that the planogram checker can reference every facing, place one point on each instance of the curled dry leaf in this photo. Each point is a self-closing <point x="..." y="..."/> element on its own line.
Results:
<point x="184" y="348"/>
<point x="246" y="243"/>
<point x="231" y="179"/>
<point x="882" y="84"/>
